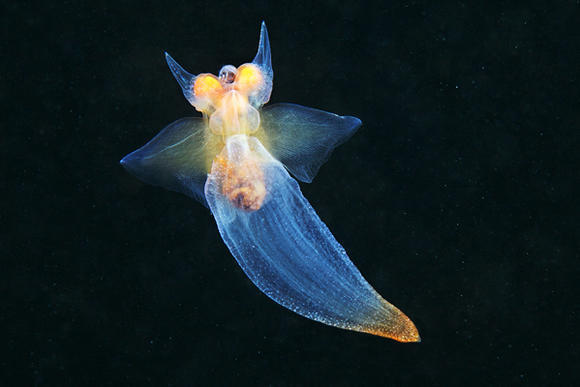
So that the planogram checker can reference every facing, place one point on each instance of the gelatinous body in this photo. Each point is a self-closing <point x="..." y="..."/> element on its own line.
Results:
<point x="236" y="161"/>
<point x="291" y="256"/>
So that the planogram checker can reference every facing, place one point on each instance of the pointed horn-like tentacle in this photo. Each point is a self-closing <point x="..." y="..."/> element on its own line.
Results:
<point x="263" y="60"/>
<point x="263" y="57"/>
<point x="185" y="79"/>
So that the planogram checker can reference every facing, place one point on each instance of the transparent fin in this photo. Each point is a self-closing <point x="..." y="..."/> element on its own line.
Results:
<point x="178" y="158"/>
<point x="303" y="138"/>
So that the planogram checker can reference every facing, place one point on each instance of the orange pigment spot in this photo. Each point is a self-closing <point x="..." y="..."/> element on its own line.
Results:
<point x="397" y="327"/>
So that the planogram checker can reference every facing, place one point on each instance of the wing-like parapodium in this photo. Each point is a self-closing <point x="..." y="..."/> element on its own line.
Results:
<point x="303" y="138"/>
<point x="178" y="158"/>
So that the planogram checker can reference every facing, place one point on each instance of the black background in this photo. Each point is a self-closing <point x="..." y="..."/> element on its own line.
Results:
<point x="457" y="199"/>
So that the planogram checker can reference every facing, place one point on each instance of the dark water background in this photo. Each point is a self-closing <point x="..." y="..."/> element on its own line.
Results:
<point x="457" y="199"/>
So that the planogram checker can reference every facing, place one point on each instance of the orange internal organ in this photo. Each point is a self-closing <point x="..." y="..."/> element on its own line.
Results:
<point x="242" y="183"/>
<point x="248" y="78"/>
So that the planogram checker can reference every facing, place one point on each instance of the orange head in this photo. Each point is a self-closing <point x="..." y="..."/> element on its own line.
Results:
<point x="209" y="90"/>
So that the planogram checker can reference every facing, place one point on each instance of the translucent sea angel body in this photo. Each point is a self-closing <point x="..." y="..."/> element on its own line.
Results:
<point x="235" y="160"/>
